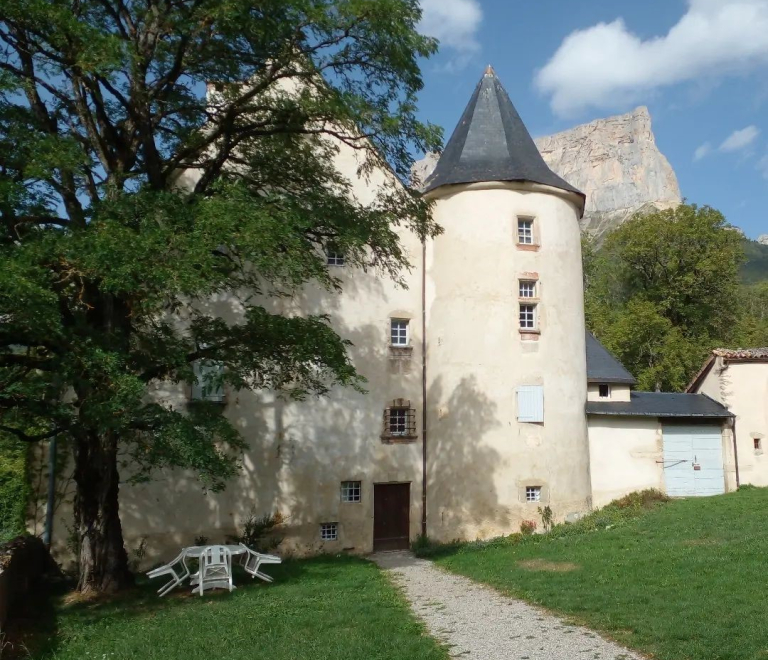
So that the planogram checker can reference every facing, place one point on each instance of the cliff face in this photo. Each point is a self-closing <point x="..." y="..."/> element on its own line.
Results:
<point x="763" y="239"/>
<point x="614" y="161"/>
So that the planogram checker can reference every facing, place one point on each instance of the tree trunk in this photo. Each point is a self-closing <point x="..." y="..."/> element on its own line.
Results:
<point x="103" y="561"/>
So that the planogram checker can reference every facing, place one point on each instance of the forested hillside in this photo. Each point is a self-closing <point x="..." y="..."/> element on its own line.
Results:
<point x="756" y="267"/>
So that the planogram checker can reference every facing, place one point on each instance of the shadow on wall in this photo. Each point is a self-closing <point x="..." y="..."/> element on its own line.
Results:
<point x="298" y="453"/>
<point x="463" y="501"/>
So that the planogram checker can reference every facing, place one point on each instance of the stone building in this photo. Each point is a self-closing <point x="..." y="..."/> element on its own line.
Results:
<point x="481" y="380"/>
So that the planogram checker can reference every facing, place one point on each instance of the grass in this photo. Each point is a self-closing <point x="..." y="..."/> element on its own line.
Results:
<point x="330" y="607"/>
<point x="682" y="580"/>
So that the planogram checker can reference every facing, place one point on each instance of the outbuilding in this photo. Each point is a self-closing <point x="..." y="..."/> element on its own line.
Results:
<point x="679" y="443"/>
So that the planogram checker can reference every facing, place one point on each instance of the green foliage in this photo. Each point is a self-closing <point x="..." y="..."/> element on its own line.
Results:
<point x="680" y="580"/>
<point x="258" y="532"/>
<point x="663" y="291"/>
<point x="147" y="224"/>
<point x="329" y="607"/>
<point x="755" y="267"/>
<point x="14" y="487"/>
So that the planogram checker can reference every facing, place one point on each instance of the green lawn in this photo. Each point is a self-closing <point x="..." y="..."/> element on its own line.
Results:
<point x="341" y="608"/>
<point x="688" y="579"/>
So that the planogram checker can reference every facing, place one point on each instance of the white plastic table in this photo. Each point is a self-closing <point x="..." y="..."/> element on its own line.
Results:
<point x="195" y="551"/>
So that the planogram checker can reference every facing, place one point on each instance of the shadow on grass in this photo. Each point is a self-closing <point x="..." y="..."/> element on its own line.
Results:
<point x="42" y="632"/>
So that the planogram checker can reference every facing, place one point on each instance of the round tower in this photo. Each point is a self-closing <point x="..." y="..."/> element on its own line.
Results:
<point x="504" y="303"/>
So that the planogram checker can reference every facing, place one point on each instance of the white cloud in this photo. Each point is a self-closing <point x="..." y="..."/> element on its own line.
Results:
<point x="607" y="65"/>
<point x="702" y="151"/>
<point x="762" y="166"/>
<point x="740" y="139"/>
<point x="454" y="22"/>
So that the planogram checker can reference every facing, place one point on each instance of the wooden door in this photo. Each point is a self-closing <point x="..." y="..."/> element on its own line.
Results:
<point x="391" y="516"/>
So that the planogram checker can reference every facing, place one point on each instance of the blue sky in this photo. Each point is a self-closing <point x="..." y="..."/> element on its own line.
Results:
<point x="701" y="67"/>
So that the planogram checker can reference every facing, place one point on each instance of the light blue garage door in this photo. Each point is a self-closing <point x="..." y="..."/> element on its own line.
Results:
<point x="693" y="460"/>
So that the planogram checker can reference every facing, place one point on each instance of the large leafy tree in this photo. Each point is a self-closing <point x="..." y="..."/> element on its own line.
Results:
<point x="663" y="290"/>
<point x="155" y="153"/>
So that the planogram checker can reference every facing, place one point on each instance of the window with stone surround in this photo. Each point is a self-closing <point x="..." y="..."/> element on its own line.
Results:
<point x="400" y="420"/>
<point x="525" y="231"/>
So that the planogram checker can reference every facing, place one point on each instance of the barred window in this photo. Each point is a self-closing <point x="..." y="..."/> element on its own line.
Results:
<point x="527" y="289"/>
<point x="533" y="493"/>
<point x="329" y="531"/>
<point x="350" y="491"/>
<point x="400" y="419"/>
<point x="398" y="332"/>
<point x="528" y="317"/>
<point x="525" y="231"/>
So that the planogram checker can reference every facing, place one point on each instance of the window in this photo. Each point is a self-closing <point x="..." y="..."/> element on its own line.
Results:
<point x="207" y="385"/>
<point x="533" y="493"/>
<point x="525" y="231"/>
<point x="758" y="444"/>
<point x="350" y="491"/>
<point x="604" y="391"/>
<point x="335" y="257"/>
<point x="329" y="531"/>
<point x="400" y="420"/>
<point x="530" y="403"/>
<point x="528" y="317"/>
<point x="527" y="289"/>
<point x="398" y="332"/>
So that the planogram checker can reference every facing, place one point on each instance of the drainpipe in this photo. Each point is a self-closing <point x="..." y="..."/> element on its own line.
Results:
<point x="735" y="453"/>
<point x="424" y="388"/>
<point x="48" y="529"/>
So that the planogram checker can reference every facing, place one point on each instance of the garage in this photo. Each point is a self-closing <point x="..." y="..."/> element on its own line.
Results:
<point x="693" y="460"/>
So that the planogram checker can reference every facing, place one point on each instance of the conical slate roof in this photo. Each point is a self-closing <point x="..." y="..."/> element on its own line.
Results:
<point x="491" y="143"/>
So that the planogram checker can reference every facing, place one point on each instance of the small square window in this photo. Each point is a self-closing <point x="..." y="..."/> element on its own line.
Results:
<point x="329" y="531"/>
<point x="335" y="258"/>
<point x="398" y="332"/>
<point x="533" y="493"/>
<point x="350" y="491"/>
<point x="527" y="289"/>
<point x="604" y="391"/>
<point x="528" y="317"/>
<point x="400" y="420"/>
<point x="525" y="231"/>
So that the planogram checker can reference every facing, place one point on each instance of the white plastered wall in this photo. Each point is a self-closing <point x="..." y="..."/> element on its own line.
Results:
<point x="480" y="457"/>
<point x="743" y="388"/>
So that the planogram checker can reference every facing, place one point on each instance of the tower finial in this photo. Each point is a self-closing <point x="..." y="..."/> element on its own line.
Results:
<point x="489" y="71"/>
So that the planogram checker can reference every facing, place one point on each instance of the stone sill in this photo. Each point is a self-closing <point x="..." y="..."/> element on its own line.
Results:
<point x="527" y="248"/>
<point x="399" y="439"/>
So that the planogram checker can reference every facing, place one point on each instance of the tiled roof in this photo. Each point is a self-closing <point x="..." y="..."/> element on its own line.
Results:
<point x="602" y="367"/>
<point x="661" y="404"/>
<point x="742" y="353"/>
<point x="491" y="143"/>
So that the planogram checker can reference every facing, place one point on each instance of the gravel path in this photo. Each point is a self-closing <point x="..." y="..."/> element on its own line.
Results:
<point x="475" y="621"/>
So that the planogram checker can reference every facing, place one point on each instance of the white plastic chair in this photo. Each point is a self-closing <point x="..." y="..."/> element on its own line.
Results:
<point x="215" y="569"/>
<point x="177" y="569"/>
<point x="253" y="560"/>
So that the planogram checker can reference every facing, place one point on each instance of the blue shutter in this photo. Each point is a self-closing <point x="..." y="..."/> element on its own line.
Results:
<point x="530" y="403"/>
<point x="203" y="389"/>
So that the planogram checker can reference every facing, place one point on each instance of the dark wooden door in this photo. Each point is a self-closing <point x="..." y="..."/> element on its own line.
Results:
<point x="391" y="516"/>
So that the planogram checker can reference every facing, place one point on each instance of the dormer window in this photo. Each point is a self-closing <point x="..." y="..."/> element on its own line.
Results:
<point x="604" y="391"/>
<point x="335" y="257"/>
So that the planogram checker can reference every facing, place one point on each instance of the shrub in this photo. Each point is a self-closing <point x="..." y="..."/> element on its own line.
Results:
<point x="258" y="531"/>
<point x="528" y="527"/>
<point x="14" y="487"/>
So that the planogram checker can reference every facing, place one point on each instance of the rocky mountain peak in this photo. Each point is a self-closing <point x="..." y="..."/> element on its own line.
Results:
<point x="614" y="161"/>
<point x="763" y="239"/>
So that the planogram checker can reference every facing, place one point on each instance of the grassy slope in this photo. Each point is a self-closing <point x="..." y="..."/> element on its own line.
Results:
<point x="756" y="267"/>
<point x="340" y="608"/>
<point x="687" y="580"/>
